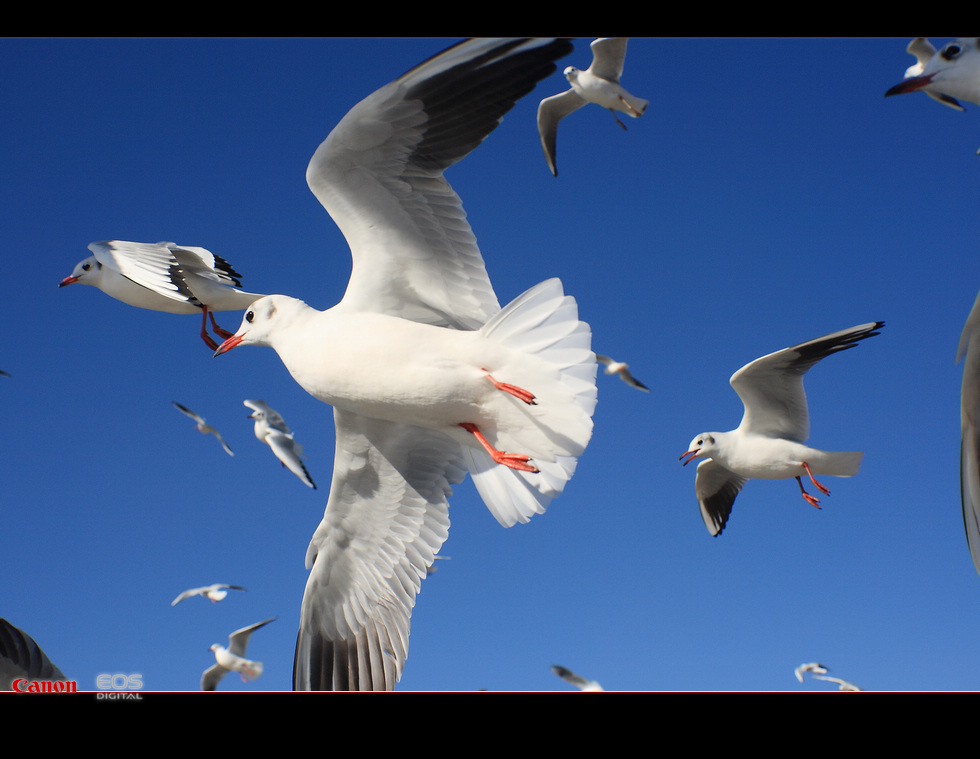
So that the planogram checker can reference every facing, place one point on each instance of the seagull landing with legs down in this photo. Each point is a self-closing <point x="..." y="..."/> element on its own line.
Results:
<point x="429" y="378"/>
<point x="164" y="276"/>
<point x="598" y="84"/>
<point x="768" y="444"/>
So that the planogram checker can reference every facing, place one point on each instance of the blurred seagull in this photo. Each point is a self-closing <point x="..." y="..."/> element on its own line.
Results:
<point x="214" y="592"/>
<point x="419" y="360"/>
<point x="164" y="276"/>
<point x="577" y="680"/>
<point x="3" y="373"/>
<point x="842" y="684"/>
<point x="818" y="669"/>
<point x="952" y="72"/>
<point x="271" y="429"/>
<point x="768" y="444"/>
<point x="232" y="659"/>
<point x="969" y="349"/>
<point x="598" y="84"/>
<point x="623" y="370"/>
<point x="203" y="427"/>
<point x="431" y="569"/>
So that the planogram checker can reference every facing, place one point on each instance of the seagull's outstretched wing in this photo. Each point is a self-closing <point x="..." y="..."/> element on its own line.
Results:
<point x="716" y="488"/>
<point x="380" y="176"/>
<point x="771" y="387"/>
<point x="21" y="657"/>
<point x="386" y="518"/>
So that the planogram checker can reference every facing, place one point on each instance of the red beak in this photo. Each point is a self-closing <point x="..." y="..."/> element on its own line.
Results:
<point x="228" y="344"/>
<point x="910" y="85"/>
<point x="68" y="281"/>
<point x="692" y="454"/>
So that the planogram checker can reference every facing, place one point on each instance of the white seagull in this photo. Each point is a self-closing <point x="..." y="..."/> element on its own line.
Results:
<point x="768" y="444"/>
<point x="623" y="370"/>
<point x="577" y="680"/>
<point x="598" y="84"/>
<point x="841" y="684"/>
<point x="164" y="276"/>
<point x="232" y="659"/>
<point x="203" y="427"/>
<point x="428" y="377"/>
<point x="214" y="593"/>
<point x="272" y="430"/>
<point x="952" y="72"/>
<point x="969" y="349"/>
<point x="814" y="667"/>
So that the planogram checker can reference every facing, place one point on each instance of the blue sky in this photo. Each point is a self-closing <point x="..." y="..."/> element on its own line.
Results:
<point x="770" y="195"/>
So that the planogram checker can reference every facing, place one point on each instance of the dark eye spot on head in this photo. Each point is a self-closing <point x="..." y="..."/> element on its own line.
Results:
<point x="87" y="267"/>
<point x="950" y="52"/>
<point x="249" y="316"/>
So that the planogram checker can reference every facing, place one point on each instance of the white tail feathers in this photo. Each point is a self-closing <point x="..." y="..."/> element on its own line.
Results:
<point x="560" y="370"/>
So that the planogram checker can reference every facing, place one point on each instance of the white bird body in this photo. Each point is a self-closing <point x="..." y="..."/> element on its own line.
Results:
<point x="395" y="370"/>
<point x="232" y="658"/>
<point x="769" y="442"/>
<point x="597" y="84"/>
<point x="272" y="430"/>
<point x="247" y="668"/>
<point x="952" y="73"/>
<point x="759" y="457"/>
<point x="409" y="359"/>
<point x="213" y="593"/>
<point x="163" y="276"/>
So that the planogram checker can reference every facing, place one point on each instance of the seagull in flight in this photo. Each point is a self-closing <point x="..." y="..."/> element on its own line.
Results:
<point x="598" y="84"/>
<point x="164" y="276"/>
<point x="214" y="592"/>
<point x="949" y="74"/>
<point x="623" y="370"/>
<point x="429" y="378"/>
<point x="203" y="427"/>
<point x="272" y="430"/>
<point x="232" y="659"/>
<point x="769" y="442"/>
<point x="814" y="667"/>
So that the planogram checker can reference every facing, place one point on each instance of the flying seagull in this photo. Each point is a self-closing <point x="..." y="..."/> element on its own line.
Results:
<point x="203" y="427"/>
<point x="813" y="667"/>
<point x="232" y="659"/>
<point x="272" y="430"/>
<point x="945" y="75"/>
<point x="428" y="377"/>
<point x="623" y="370"/>
<point x="598" y="84"/>
<point x="164" y="276"/>
<point x="214" y="593"/>
<point x="768" y="444"/>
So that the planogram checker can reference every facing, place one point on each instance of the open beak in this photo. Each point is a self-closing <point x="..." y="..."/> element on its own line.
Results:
<point x="692" y="454"/>
<point x="68" y="281"/>
<point x="228" y="344"/>
<point x="910" y="85"/>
